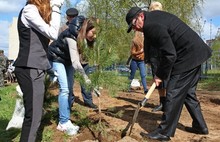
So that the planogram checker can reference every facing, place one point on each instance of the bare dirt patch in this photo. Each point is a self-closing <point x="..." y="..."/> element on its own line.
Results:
<point x="146" y="121"/>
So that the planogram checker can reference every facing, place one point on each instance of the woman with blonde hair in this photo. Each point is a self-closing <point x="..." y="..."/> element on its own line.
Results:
<point x="137" y="61"/>
<point x="155" y="5"/>
<point x="65" y="55"/>
<point x="38" y="22"/>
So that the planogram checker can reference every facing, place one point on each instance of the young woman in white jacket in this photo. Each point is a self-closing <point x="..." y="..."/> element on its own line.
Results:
<point x="38" y="22"/>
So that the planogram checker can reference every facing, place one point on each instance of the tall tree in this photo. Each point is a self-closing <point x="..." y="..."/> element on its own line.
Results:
<point x="187" y="10"/>
<point x="112" y="16"/>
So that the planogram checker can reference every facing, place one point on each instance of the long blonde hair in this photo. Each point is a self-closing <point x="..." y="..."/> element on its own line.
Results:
<point x="43" y="7"/>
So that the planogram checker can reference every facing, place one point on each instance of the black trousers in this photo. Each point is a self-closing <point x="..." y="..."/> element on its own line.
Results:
<point x="31" y="82"/>
<point x="181" y="90"/>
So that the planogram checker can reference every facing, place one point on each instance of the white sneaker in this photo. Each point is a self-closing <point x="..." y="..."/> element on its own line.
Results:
<point x="68" y="128"/>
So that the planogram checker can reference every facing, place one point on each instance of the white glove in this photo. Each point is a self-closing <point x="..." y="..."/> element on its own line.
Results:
<point x="57" y="3"/>
<point x="87" y="80"/>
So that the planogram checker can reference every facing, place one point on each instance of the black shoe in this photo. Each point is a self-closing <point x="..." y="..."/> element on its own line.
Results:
<point x="158" y="108"/>
<point x="155" y="136"/>
<point x="203" y="131"/>
<point x="91" y="105"/>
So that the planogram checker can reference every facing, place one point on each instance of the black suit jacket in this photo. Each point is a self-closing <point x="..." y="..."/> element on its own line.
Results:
<point x="181" y="49"/>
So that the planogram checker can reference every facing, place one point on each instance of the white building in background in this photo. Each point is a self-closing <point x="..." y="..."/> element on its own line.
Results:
<point x="13" y="40"/>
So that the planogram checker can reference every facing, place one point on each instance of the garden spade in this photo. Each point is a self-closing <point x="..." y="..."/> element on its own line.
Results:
<point x="140" y="105"/>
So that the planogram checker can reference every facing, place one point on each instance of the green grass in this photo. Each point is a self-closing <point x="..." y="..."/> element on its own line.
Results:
<point x="7" y="104"/>
<point x="211" y="82"/>
<point x="48" y="134"/>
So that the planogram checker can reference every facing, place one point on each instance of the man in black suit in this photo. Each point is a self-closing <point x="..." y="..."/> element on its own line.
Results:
<point x="182" y="52"/>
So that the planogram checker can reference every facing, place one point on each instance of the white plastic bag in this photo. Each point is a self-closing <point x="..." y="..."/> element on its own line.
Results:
<point x="18" y="115"/>
<point x="135" y="83"/>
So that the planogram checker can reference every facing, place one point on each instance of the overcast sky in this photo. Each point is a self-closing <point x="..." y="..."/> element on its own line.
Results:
<point x="11" y="8"/>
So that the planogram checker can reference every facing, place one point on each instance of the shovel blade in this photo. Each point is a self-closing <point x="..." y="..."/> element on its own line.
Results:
<point x="135" y="117"/>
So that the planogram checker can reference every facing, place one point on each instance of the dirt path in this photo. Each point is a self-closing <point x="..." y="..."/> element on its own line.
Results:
<point x="147" y="121"/>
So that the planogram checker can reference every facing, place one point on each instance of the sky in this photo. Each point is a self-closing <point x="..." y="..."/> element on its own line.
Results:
<point x="11" y="8"/>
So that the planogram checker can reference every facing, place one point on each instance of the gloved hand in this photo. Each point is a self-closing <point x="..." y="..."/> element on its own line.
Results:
<point x="57" y="3"/>
<point x="87" y="80"/>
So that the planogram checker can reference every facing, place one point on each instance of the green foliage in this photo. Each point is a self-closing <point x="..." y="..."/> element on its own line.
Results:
<point x="210" y="84"/>
<point x="113" y="112"/>
<point x="110" y="80"/>
<point x="80" y="113"/>
<point x="112" y="26"/>
<point x="216" y="45"/>
<point x="104" y="55"/>
<point x="100" y="128"/>
<point x="189" y="11"/>
<point x="48" y="135"/>
<point x="216" y="54"/>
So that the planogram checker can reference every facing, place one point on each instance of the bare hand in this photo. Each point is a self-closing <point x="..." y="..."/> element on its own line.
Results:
<point x="157" y="80"/>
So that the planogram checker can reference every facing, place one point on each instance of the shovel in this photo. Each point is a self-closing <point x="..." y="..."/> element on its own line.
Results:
<point x="140" y="105"/>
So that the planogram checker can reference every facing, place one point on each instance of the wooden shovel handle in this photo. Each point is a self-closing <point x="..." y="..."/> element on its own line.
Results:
<point x="150" y="91"/>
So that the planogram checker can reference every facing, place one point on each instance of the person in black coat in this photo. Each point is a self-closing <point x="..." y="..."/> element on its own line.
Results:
<point x="182" y="52"/>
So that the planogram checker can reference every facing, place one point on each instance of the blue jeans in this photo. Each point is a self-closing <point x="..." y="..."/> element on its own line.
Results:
<point x="142" y="68"/>
<point x="65" y="98"/>
<point x="86" y="93"/>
